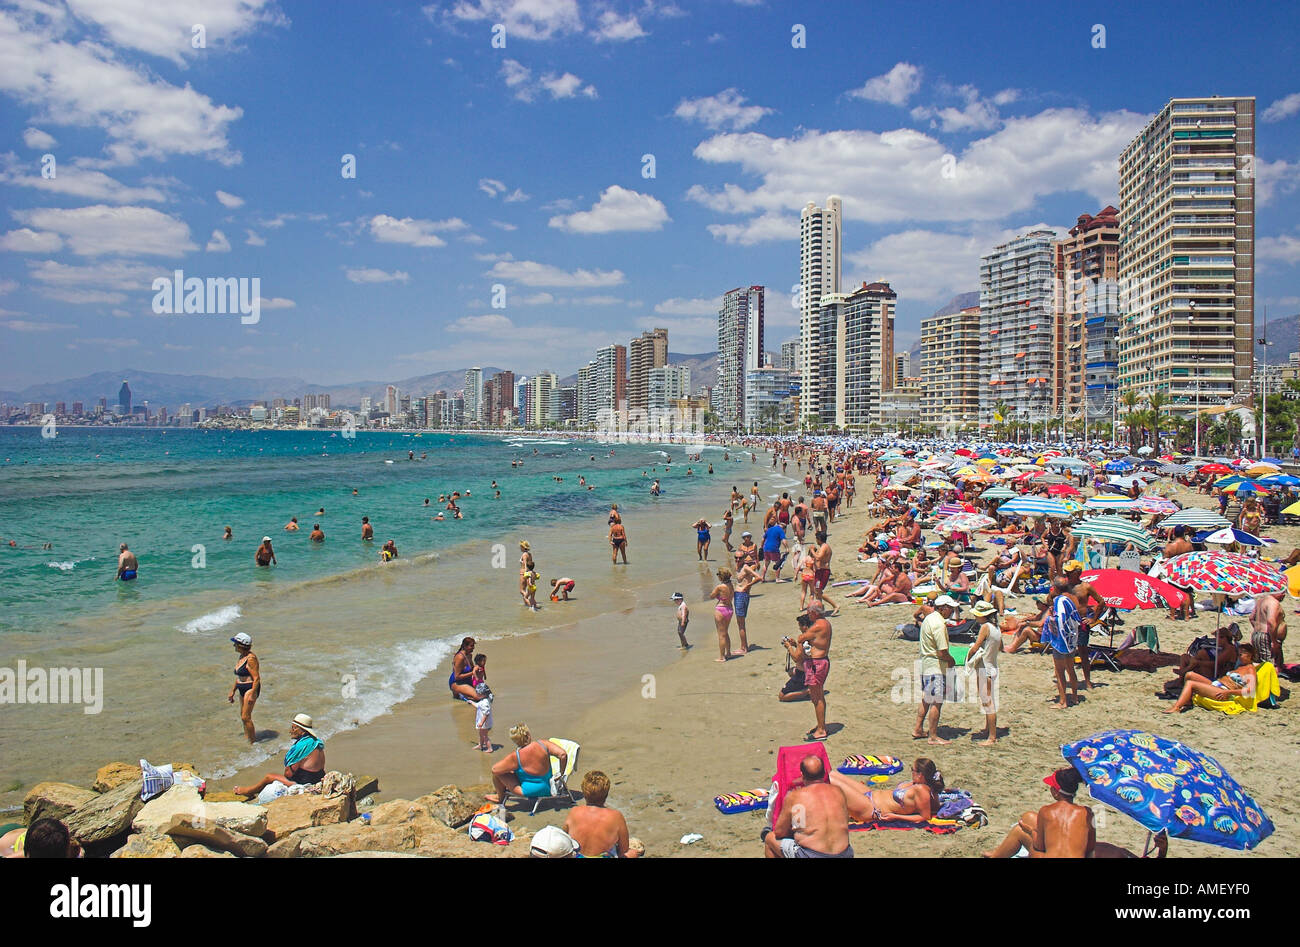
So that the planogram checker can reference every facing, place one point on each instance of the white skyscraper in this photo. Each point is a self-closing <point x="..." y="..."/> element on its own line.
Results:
<point x="740" y="350"/>
<point x="820" y="237"/>
<point x="474" y="396"/>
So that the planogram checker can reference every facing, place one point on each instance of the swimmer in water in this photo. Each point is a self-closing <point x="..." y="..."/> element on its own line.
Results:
<point x="321" y="511"/>
<point x="127" y="565"/>
<point x="316" y="535"/>
<point x="389" y="552"/>
<point x="354" y="491"/>
<point x="292" y="525"/>
<point x="498" y="495"/>
<point x="265" y="555"/>
<point x="367" y="531"/>
<point x="229" y="534"/>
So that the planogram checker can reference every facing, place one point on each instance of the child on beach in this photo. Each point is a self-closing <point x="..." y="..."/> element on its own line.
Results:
<point x="530" y="589"/>
<point x="483" y="719"/>
<point x="479" y="674"/>
<point x="560" y="589"/>
<point x="683" y="619"/>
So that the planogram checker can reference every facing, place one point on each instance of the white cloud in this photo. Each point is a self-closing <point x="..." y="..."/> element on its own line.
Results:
<point x="614" y="28"/>
<point x="594" y="301"/>
<point x="700" y="306"/>
<point x="254" y="239"/>
<point x="472" y="238"/>
<point x="371" y="275"/>
<point x="523" y="19"/>
<point x="515" y="196"/>
<point x="536" y="299"/>
<point x="1283" y="249"/>
<point x="26" y="240"/>
<point x="618" y="209"/>
<point x="1273" y="178"/>
<point x="83" y="84"/>
<point x="893" y="88"/>
<point x="7" y="286"/>
<point x="1283" y="108"/>
<point x="757" y="230"/>
<point x="229" y="200"/>
<point x="39" y="140"/>
<point x="503" y="225"/>
<point x="727" y="109"/>
<point x="25" y="325"/>
<point x="166" y="29"/>
<point x="276" y="302"/>
<point x="491" y="187"/>
<point x="99" y="229"/>
<point x="218" y="243"/>
<point x="75" y="181"/>
<point x="482" y="325"/>
<point x="895" y="176"/>
<point x="687" y="333"/>
<point x="85" y="296"/>
<point x="411" y="231"/>
<point x="530" y="273"/>
<point x="519" y="78"/>
<point x="978" y="114"/>
<point x="111" y="274"/>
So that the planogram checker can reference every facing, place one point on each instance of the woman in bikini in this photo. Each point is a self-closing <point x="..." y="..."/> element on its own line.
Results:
<point x="248" y="683"/>
<point x="526" y="565"/>
<point x="461" y="682"/>
<point x="724" y="593"/>
<point x="1238" y="683"/>
<point x="914" y="801"/>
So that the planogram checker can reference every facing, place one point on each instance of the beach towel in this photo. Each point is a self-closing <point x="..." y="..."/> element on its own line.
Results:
<point x="749" y="800"/>
<point x="787" y="774"/>
<point x="870" y="766"/>
<point x="1267" y="691"/>
<point x="937" y="826"/>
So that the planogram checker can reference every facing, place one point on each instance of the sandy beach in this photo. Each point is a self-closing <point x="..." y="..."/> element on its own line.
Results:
<point x="673" y="729"/>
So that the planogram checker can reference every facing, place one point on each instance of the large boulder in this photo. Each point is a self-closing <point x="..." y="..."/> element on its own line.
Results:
<point x="148" y="845"/>
<point x="54" y="801"/>
<point x="342" y="839"/>
<point x="450" y="806"/>
<point x="198" y="850"/>
<point x="157" y="814"/>
<point x="290" y="814"/>
<point x="107" y="814"/>
<point x="114" y="775"/>
<point x="187" y="829"/>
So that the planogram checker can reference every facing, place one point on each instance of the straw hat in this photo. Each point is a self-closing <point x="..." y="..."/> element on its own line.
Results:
<point x="304" y="722"/>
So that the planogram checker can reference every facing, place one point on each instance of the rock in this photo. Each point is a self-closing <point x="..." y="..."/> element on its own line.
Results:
<point x="290" y="814"/>
<point x="214" y="835"/>
<point x="148" y="845"/>
<point x="240" y="817"/>
<point x="450" y="806"/>
<point x="379" y="855"/>
<point x="54" y="801"/>
<point x="108" y="814"/>
<point x="342" y="839"/>
<point x="366" y="786"/>
<point x="222" y="795"/>
<point x="115" y="774"/>
<point x="202" y="851"/>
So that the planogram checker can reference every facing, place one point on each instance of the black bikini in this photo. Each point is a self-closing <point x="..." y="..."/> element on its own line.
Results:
<point x="241" y="672"/>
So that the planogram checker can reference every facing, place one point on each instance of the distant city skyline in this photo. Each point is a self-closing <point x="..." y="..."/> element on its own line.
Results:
<point x="441" y="203"/>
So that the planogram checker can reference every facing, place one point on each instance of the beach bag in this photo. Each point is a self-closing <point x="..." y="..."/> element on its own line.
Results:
<point x="909" y="632"/>
<point x="157" y="779"/>
<point x="486" y="827"/>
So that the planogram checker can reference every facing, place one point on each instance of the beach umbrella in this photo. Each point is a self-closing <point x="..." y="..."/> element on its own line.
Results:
<point x="967" y="523"/>
<point x="964" y="452"/>
<point x="948" y="509"/>
<point x="1167" y="786"/>
<point x="987" y="462"/>
<point x="1245" y="488"/>
<point x="1061" y="489"/>
<point x="1119" y="466"/>
<point x="1154" y="504"/>
<point x="1114" y="529"/>
<point x="1036" y="506"/>
<point x="1215" y="468"/>
<point x="1231" y="534"/>
<point x="1293" y="580"/>
<point x="1196" y="518"/>
<point x="1229" y="573"/>
<point x="1114" y="501"/>
<point x="1145" y="450"/>
<point x="1293" y="509"/>
<point x="1254" y="470"/>
<point x="1125" y="589"/>
<point x="1006" y="493"/>
<point x="1173" y="470"/>
<point x="1280" y="480"/>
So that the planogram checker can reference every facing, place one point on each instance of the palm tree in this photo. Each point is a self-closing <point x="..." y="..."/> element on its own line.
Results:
<point x="1130" y="402"/>
<point x="1157" y="401"/>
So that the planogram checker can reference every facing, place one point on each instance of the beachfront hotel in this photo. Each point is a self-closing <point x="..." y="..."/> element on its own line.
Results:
<point x="820" y="238"/>
<point x="857" y="354"/>
<point x="1186" y="251"/>
<point x="645" y="353"/>
<point x="1017" y="322"/>
<point x="1087" y="316"/>
<point x="950" y="365"/>
<point x="740" y="350"/>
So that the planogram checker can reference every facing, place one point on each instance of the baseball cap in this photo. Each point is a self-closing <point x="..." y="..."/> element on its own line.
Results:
<point x="1074" y="565"/>
<point x="946" y="600"/>
<point x="678" y="596"/>
<point x="266" y="539"/>
<point x="746" y="533"/>
<point x="243" y="639"/>
<point x="551" y="842"/>
<point x="1064" y="780"/>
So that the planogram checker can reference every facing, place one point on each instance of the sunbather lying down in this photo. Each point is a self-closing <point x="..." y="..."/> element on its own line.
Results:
<point x="913" y="801"/>
<point x="1237" y="683"/>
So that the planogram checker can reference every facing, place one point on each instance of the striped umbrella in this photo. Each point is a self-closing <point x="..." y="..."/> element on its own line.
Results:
<point x="949" y="509"/>
<point x="1035" y="506"/>
<point x="967" y="523"/>
<point x="1174" y="470"/>
<point x="1111" y="501"/>
<point x="999" y="493"/>
<point x="1154" y="504"/>
<point x="1196" y="518"/>
<point x="1228" y="572"/>
<point x="1115" y="529"/>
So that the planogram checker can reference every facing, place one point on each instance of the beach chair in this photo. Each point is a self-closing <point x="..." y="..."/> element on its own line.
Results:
<point x="560" y="793"/>
<point x="1130" y="560"/>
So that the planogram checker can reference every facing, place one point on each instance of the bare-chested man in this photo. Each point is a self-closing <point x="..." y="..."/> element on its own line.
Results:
<point x="1060" y="830"/>
<point x="367" y="531"/>
<point x="820" y="512"/>
<point x="1268" y="622"/>
<point x="1083" y="592"/>
<point x="1176" y="546"/>
<point x="814" y="821"/>
<point x="601" y="832"/>
<point x="127" y="565"/>
<point x="816" y="631"/>
<point x="822" y="571"/>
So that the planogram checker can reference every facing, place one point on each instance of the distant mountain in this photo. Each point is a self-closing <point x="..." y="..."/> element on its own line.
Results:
<point x="956" y="304"/>
<point x="1284" y="338"/>
<point x="206" y="390"/>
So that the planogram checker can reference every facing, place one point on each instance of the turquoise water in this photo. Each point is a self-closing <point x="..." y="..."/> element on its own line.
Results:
<point x="164" y="492"/>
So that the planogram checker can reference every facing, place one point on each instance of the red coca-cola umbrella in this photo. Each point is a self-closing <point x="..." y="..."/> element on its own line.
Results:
<point x="1062" y="489"/>
<point x="1214" y="469"/>
<point x="1125" y="589"/>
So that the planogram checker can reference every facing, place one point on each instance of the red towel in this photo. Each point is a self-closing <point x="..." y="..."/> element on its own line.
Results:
<point x="788" y="776"/>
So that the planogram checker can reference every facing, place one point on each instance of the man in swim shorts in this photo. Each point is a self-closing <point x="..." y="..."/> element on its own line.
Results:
<point x="816" y="631"/>
<point x="127" y="565"/>
<point x="814" y="819"/>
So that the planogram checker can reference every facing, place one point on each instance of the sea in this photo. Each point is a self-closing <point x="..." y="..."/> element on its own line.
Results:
<point x="338" y="632"/>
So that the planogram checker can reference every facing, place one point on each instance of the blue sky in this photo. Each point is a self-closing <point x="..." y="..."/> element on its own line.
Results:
<point x="522" y="166"/>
